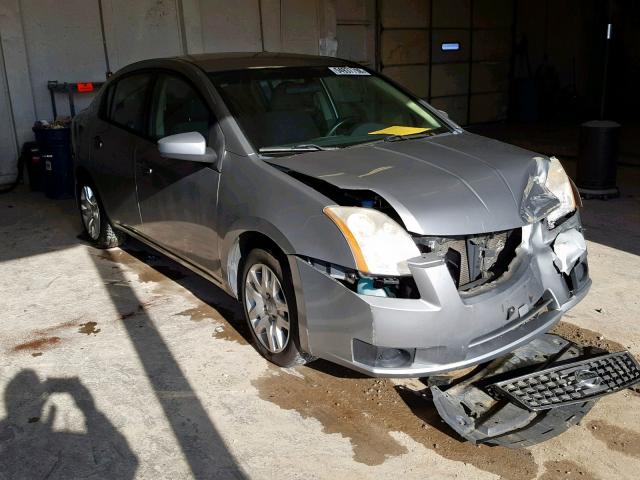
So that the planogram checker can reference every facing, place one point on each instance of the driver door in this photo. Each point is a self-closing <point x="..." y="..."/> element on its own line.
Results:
<point x="178" y="198"/>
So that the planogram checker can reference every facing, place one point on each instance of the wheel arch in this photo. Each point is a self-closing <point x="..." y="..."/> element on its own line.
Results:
<point x="242" y="245"/>
<point x="82" y="173"/>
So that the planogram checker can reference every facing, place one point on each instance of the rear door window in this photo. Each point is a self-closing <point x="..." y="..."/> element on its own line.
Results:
<point x="128" y="102"/>
<point x="178" y="108"/>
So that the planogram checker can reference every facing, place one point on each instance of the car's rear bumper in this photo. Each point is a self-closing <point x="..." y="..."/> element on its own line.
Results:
<point x="443" y="330"/>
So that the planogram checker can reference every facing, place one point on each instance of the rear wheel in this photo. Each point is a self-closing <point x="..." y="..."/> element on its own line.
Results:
<point x="96" y="224"/>
<point x="270" y="309"/>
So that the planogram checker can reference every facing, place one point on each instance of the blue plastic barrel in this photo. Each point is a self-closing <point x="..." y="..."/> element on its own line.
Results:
<point x="55" y="148"/>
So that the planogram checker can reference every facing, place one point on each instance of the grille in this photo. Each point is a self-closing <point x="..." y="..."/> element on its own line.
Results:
<point x="474" y="259"/>
<point x="573" y="383"/>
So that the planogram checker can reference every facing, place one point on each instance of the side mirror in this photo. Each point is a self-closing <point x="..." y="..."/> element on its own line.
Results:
<point x="190" y="146"/>
<point x="443" y="113"/>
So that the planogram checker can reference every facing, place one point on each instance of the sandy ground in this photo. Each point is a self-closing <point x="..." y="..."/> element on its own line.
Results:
<point x="121" y="364"/>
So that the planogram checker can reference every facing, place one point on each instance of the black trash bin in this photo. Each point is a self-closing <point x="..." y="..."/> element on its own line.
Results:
<point x="598" y="159"/>
<point x="526" y="100"/>
<point x="55" y="150"/>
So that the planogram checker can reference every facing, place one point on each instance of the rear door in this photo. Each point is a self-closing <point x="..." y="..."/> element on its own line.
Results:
<point x="113" y="146"/>
<point x="178" y="198"/>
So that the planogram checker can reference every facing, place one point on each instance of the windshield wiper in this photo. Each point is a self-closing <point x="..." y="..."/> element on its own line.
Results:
<point x="302" y="148"/>
<point x="409" y="136"/>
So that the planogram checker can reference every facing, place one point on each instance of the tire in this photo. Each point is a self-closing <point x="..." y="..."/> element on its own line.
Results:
<point x="284" y="354"/>
<point x="545" y="426"/>
<point x="101" y="232"/>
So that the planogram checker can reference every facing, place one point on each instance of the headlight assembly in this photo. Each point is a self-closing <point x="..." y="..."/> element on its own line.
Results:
<point x="559" y="185"/>
<point x="379" y="245"/>
<point x="549" y="193"/>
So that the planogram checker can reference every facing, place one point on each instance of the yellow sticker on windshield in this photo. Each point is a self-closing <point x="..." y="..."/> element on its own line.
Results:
<point x="399" y="130"/>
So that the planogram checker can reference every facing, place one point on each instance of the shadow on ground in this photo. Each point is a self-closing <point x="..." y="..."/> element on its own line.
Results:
<point x="31" y="446"/>
<point x="202" y="446"/>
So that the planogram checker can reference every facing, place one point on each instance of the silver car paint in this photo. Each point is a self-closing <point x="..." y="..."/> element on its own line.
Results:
<point x="116" y="182"/>
<point x="177" y="200"/>
<point x="278" y="206"/>
<point x="190" y="146"/>
<point x="456" y="183"/>
<point x="449" y="331"/>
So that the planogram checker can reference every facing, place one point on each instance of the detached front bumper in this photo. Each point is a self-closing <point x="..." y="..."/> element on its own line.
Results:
<point x="444" y="330"/>
<point x="536" y="392"/>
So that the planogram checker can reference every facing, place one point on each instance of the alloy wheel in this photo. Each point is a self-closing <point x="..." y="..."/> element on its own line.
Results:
<point x="90" y="212"/>
<point x="267" y="308"/>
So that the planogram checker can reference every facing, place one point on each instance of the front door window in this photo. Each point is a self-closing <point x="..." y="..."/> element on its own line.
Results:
<point x="178" y="108"/>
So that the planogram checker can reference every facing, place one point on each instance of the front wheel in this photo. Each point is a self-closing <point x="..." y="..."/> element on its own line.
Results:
<point x="270" y="309"/>
<point x="96" y="224"/>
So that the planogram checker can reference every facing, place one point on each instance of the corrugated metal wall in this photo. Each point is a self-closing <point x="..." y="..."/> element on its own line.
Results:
<point x="404" y="40"/>
<point x="470" y="82"/>
<point x="8" y="146"/>
<point x="356" y="30"/>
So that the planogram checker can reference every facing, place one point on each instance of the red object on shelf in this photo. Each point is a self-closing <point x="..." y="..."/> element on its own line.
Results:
<point x="85" y="87"/>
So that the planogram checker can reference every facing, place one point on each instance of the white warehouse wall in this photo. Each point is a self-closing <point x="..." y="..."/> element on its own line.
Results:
<point x="45" y="40"/>
<point x="8" y="144"/>
<point x="62" y="47"/>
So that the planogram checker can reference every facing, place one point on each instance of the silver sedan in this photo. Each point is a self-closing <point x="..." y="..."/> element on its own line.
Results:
<point x="353" y="221"/>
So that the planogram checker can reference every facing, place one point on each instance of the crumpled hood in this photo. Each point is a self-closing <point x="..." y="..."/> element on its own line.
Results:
<point x="454" y="184"/>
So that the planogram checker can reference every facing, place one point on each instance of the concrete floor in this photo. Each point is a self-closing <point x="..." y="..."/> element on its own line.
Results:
<point x="121" y="364"/>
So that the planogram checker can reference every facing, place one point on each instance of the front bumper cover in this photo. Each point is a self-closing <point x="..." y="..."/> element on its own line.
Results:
<point x="444" y="330"/>
<point x="492" y="403"/>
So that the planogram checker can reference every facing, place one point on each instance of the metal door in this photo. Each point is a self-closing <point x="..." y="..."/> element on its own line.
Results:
<point x="113" y="147"/>
<point x="453" y="53"/>
<point x="178" y="198"/>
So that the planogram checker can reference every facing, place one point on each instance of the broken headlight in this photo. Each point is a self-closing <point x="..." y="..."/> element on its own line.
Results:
<point x="379" y="245"/>
<point x="549" y="193"/>
<point x="559" y="185"/>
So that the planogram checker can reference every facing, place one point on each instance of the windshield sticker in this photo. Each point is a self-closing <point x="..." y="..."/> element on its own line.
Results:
<point x="349" y="71"/>
<point x="399" y="130"/>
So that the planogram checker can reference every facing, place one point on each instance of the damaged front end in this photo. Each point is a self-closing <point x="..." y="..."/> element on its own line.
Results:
<point x="474" y="260"/>
<point x="536" y="392"/>
<point x="465" y="301"/>
<point x="420" y="305"/>
<point x="457" y="278"/>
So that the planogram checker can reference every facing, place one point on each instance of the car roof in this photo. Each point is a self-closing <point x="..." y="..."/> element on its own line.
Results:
<point x="219" y="62"/>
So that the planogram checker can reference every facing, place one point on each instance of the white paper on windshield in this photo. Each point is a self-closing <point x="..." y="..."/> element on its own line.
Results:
<point x="349" y="71"/>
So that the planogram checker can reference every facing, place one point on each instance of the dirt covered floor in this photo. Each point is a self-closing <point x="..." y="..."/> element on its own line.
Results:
<point x="121" y="364"/>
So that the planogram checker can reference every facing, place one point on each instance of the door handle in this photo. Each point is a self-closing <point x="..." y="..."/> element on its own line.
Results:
<point x="97" y="141"/>
<point x="145" y="168"/>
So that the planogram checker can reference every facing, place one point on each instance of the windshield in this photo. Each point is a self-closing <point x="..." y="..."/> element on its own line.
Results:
<point x="320" y="107"/>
